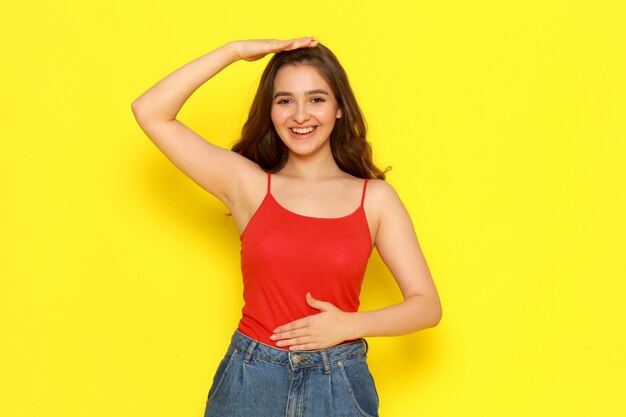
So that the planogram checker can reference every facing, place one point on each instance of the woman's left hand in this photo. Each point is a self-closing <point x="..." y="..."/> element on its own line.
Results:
<point x="328" y="328"/>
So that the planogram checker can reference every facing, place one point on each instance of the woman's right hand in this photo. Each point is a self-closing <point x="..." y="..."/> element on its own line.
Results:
<point x="252" y="50"/>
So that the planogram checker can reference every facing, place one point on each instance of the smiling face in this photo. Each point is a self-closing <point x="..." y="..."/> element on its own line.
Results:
<point x="304" y="109"/>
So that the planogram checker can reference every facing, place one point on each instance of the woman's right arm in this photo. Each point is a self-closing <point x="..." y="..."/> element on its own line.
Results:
<point x="217" y="170"/>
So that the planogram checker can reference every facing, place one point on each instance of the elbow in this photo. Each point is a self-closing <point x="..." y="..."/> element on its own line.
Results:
<point x="437" y="319"/>
<point x="134" y="106"/>
<point x="428" y="312"/>
<point x="140" y="112"/>
<point x="436" y="313"/>
<point x="145" y="112"/>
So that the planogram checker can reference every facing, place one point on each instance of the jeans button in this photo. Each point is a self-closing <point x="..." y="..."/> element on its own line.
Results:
<point x="296" y="358"/>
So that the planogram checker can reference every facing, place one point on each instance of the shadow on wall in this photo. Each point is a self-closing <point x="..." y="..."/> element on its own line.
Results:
<point x="184" y="202"/>
<point x="403" y="361"/>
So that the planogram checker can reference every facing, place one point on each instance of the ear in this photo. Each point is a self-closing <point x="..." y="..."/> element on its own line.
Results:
<point x="339" y="114"/>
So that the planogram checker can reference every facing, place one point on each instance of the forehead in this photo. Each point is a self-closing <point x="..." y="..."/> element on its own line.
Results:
<point x="300" y="77"/>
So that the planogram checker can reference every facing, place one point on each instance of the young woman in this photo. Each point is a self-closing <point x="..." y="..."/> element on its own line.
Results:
<point x="310" y="206"/>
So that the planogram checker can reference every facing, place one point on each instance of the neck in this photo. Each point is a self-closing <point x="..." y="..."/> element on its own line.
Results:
<point x="312" y="167"/>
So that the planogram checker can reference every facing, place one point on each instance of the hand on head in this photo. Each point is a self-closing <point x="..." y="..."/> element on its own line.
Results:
<point x="252" y="50"/>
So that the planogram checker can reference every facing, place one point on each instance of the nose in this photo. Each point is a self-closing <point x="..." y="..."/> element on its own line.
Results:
<point x="301" y="114"/>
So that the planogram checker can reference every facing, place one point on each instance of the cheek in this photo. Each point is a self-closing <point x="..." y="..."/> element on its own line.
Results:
<point x="279" y="115"/>
<point x="326" y="115"/>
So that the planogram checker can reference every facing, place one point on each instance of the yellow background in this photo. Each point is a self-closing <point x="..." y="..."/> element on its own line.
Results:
<point x="503" y="121"/>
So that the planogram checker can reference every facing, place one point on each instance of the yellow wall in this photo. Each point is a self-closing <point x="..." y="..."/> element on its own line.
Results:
<point x="504" y="124"/>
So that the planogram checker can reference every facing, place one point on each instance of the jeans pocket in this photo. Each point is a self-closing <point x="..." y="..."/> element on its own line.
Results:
<point x="222" y="371"/>
<point x="360" y="385"/>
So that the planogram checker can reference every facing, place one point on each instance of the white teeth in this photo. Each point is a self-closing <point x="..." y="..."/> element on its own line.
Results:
<point x="303" y="131"/>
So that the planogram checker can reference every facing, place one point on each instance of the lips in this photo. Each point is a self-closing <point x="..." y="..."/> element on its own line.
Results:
<point x="303" y="130"/>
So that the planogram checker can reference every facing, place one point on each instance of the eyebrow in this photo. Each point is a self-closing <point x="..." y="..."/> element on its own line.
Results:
<point x="308" y="93"/>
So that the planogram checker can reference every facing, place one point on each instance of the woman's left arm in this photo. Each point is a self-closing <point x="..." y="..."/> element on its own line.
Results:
<point x="399" y="249"/>
<point x="397" y="244"/>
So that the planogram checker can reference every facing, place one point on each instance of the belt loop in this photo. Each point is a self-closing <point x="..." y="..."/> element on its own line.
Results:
<point x="325" y="361"/>
<point x="251" y="347"/>
<point x="366" y="347"/>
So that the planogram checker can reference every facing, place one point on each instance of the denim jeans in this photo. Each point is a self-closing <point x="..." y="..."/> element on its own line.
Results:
<point x="255" y="379"/>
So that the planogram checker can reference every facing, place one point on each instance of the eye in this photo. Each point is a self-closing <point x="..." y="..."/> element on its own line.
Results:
<point x="318" y="100"/>
<point x="283" y="101"/>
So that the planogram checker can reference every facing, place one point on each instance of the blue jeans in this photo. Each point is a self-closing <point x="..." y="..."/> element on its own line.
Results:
<point x="255" y="379"/>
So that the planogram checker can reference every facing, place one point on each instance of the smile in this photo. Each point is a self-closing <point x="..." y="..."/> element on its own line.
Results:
<point x="304" y="130"/>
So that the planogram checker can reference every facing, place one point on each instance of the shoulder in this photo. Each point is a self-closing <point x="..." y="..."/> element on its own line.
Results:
<point x="394" y="225"/>
<point x="381" y="194"/>
<point x="383" y="207"/>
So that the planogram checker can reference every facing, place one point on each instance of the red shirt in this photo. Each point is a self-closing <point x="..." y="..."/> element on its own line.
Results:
<point x="284" y="255"/>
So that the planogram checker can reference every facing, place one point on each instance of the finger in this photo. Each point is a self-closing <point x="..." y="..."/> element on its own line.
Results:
<point x="321" y="305"/>
<point x="294" y="341"/>
<point x="301" y="42"/>
<point x="289" y="334"/>
<point x="305" y="41"/>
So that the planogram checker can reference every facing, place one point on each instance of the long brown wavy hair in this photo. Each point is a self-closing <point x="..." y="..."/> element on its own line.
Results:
<point x="260" y="143"/>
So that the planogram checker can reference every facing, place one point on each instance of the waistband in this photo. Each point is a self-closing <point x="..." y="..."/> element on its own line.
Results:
<point x="298" y="358"/>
